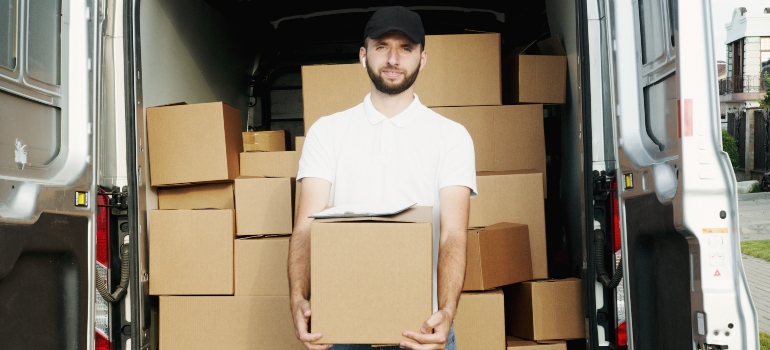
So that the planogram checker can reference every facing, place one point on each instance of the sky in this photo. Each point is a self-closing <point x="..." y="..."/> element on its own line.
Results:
<point x="722" y="12"/>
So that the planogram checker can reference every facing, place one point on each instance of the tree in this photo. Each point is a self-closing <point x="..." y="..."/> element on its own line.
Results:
<point x="764" y="103"/>
<point x="729" y="146"/>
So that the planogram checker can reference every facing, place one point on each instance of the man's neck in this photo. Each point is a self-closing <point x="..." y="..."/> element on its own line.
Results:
<point x="391" y="105"/>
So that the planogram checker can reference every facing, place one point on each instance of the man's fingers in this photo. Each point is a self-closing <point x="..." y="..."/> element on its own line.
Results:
<point x="317" y="346"/>
<point x="431" y="338"/>
<point x="305" y="307"/>
<point x="436" y="319"/>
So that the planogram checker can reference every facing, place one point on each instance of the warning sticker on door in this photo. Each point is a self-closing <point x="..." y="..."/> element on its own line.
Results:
<point x="717" y="274"/>
<point x="714" y="230"/>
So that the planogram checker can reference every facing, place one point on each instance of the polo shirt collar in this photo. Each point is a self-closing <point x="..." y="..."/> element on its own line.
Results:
<point x="400" y="120"/>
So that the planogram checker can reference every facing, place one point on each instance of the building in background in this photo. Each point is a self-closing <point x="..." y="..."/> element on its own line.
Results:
<point x="748" y="56"/>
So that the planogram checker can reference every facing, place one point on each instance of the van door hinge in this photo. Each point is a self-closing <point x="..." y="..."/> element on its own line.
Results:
<point x="118" y="198"/>
<point x="601" y="182"/>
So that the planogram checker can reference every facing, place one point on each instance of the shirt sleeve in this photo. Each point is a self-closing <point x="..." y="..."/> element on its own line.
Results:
<point x="316" y="159"/>
<point x="458" y="166"/>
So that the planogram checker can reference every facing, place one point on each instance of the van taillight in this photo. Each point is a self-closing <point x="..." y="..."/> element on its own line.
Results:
<point x="620" y="306"/>
<point x="101" y="306"/>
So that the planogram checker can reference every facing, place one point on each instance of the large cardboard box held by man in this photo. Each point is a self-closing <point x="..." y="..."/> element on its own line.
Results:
<point x="261" y="266"/>
<point x="226" y="322"/>
<point x="480" y="321"/>
<point x="524" y="344"/>
<point x="192" y="252"/>
<point x="462" y="70"/>
<point x="371" y="277"/>
<point x="514" y="196"/>
<point x="193" y="143"/>
<point x="497" y="255"/>
<point x="545" y="309"/>
<point x="265" y="205"/>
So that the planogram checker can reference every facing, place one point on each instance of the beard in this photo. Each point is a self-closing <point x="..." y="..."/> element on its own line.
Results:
<point x="390" y="88"/>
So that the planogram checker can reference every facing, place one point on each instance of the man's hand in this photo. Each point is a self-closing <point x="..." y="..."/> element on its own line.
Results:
<point x="301" y="313"/>
<point x="433" y="334"/>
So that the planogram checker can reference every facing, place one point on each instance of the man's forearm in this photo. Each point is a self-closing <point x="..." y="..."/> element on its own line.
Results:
<point x="451" y="270"/>
<point x="299" y="266"/>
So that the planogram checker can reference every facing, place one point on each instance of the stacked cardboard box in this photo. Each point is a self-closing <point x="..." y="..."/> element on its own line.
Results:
<point x="506" y="241"/>
<point x="264" y="141"/>
<point x="218" y="285"/>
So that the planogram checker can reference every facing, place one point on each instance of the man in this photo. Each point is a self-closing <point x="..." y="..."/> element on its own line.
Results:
<point x="390" y="148"/>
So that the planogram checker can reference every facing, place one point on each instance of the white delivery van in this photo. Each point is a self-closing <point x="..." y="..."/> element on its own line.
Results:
<point x="636" y="175"/>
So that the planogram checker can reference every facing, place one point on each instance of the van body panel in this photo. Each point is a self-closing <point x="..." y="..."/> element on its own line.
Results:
<point x="678" y="205"/>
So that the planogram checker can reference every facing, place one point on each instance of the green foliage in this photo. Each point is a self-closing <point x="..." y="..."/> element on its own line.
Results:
<point x="729" y="146"/>
<point x="764" y="103"/>
<point x="764" y="341"/>
<point x="758" y="249"/>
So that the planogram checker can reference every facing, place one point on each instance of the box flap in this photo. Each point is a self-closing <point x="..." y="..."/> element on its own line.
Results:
<point x="551" y="47"/>
<point x="413" y="214"/>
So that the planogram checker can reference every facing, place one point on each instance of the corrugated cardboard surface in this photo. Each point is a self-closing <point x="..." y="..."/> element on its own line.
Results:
<point x="260" y="266"/>
<point x="299" y="142"/>
<point x="523" y="344"/>
<point x="272" y="164"/>
<point x="332" y="88"/>
<point x="370" y="281"/>
<point x="462" y="70"/>
<point x="266" y="141"/>
<point x="480" y="321"/>
<point x="536" y="74"/>
<point x="192" y="252"/>
<point x="205" y="196"/>
<point x="545" y="310"/>
<point x="497" y="255"/>
<point x="504" y="137"/>
<point x="226" y="322"/>
<point x="193" y="143"/>
<point x="264" y="205"/>
<point x="515" y="196"/>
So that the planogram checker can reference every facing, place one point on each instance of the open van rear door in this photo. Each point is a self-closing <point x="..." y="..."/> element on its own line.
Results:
<point x="48" y="201"/>
<point x="684" y="282"/>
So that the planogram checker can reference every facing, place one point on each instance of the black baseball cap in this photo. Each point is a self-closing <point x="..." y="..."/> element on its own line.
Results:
<point x="395" y="18"/>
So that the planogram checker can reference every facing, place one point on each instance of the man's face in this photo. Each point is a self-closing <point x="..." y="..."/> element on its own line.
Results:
<point x="393" y="61"/>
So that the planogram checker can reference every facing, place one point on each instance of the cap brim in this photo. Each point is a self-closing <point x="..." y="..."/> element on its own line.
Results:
<point x="379" y="32"/>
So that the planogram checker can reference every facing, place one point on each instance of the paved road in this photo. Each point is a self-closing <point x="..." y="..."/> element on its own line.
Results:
<point x="754" y="219"/>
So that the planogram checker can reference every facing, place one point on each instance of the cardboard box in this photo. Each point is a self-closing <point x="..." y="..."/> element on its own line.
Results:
<point x="523" y="344"/>
<point x="545" y="309"/>
<point x="350" y="85"/>
<point x="480" y="321"/>
<point x="497" y="255"/>
<point x="226" y="322"/>
<point x="504" y="137"/>
<point x="299" y="142"/>
<point x="513" y="196"/>
<point x="261" y="266"/>
<point x="270" y="164"/>
<point x="265" y="141"/>
<point x="371" y="278"/>
<point x="265" y="205"/>
<point x="205" y="196"/>
<point x="192" y="252"/>
<point x="462" y="70"/>
<point x="536" y="73"/>
<point x="193" y="143"/>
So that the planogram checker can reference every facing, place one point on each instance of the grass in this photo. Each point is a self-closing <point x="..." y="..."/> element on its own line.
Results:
<point x="757" y="249"/>
<point x="764" y="341"/>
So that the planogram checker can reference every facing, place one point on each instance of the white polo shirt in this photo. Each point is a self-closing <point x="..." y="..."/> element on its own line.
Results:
<point x="409" y="157"/>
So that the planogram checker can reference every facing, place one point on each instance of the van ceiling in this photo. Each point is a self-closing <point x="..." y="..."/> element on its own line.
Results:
<point x="324" y="23"/>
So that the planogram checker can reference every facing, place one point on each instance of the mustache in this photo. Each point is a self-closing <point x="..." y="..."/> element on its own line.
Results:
<point x="392" y="67"/>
